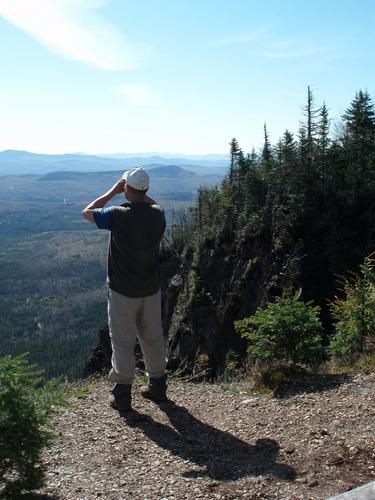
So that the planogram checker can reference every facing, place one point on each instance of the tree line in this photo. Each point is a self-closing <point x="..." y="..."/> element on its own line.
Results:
<point x="293" y="216"/>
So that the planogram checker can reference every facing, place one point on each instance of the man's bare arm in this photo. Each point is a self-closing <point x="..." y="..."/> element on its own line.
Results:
<point x="103" y="200"/>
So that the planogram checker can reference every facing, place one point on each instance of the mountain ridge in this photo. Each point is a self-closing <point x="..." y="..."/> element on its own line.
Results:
<point x="14" y="162"/>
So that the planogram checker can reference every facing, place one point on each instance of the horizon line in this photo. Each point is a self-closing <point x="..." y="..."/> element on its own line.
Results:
<point x="139" y="153"/>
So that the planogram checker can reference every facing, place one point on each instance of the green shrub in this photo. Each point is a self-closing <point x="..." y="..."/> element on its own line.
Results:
<point x="354" y="315"/>
<point x="287" y="330"/>
<point x="26" y="408"/>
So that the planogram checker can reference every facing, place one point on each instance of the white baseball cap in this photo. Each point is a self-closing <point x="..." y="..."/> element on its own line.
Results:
<point x="137" y="178"/>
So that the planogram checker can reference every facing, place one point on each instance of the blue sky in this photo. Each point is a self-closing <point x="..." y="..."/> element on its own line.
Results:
<point x="180" y="76"/>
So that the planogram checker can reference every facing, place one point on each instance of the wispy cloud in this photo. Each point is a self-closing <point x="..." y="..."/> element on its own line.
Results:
<point x="255" y="36"/>
<point x="263" y="42"/>
<point x="286" y="49"/>
<point x="140" y="95"/>
<point x="73" y="29"/>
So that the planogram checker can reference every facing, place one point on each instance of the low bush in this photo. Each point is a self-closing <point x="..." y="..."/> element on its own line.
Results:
<point x="287" y="330"/>
<point x="354" y="314"/>
<point x="26" y="410"/>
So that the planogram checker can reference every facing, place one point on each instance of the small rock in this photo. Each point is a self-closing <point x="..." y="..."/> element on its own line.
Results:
<point x="336" y="460"/>
<point x="289" y="451"/>
<point x="313" y="483"/>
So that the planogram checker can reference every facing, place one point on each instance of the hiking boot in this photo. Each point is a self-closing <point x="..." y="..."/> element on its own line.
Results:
<point x="121" y="399"/>
<point x="156" y="389"/>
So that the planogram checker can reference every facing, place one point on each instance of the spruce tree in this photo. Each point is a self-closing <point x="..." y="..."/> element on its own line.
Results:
<point x="311" y="113"/>
<point x="323" y="142"/>
<point x="266" y="153"/>
<point x="359" y="143"/>
<point x="234" y="153"/>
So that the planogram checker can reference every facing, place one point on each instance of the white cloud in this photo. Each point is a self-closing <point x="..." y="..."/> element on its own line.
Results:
<point x="255" y="36"/>
<point x="264" y="43"/>
<point x="286" y="53"/>
<point x="140" y="95"/>
<point x="73" y="29"/>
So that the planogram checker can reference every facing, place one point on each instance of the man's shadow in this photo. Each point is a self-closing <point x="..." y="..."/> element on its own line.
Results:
<point x="221" y="455"/>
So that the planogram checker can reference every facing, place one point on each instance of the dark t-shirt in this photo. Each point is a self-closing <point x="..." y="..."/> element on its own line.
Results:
<point x="133" y="253"/>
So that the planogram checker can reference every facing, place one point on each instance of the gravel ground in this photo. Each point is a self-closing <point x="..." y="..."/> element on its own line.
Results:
<point x="206" y="443"/>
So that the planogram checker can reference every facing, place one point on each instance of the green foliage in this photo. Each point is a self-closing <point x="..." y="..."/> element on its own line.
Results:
<point x="367" y="362"/>
<point x="354" y="314"/>
<point x="26" y="409"/>
<point x="231" y="361"/>
<point x="141" y="379"/>
<point x="230" y="388"/>
<point x="288" y="330"/>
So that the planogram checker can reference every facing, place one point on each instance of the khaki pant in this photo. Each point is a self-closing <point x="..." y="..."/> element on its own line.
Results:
<point x="128" y="319"/>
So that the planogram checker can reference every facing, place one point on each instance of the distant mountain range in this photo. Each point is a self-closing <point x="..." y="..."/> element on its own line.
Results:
<point x="220" y="159"/>
<point x="169" y="171"/>
<point x="168" y="182"/>
<point x="24" y="163"/>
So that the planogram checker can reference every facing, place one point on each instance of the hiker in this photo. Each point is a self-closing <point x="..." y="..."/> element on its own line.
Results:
<point x="134" y="305"/>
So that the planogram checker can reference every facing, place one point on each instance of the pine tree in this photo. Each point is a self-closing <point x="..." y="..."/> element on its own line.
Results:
<point x="323" y="142"/>
<point x="278" y="152"/>
<point x="359" y="143"/>
<point x="311" y="113"/>
<point x="234" y="153"/>
<point x="360" y="117"/>
<point x="302" y="144"/>
<point x="288" y="148"/>
<point x="288" y="175"/>
<point x="266" y="153"/>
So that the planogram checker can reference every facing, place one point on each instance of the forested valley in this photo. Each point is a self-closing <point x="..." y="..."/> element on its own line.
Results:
<point x="53" y="264"/>
<point x="52" y="286"/>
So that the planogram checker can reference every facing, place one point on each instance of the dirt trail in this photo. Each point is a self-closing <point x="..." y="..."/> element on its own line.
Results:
<point x="208" y="443"/>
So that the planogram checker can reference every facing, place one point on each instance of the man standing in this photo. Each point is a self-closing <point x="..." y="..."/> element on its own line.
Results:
<point x="134" y="308"/>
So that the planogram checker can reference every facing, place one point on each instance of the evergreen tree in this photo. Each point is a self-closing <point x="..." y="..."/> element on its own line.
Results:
<point x="302" y="144"/>
<point x="288" y="149"/>
<point x="359" y="144"/>
<point x="266" y="153"/>
<point x="323" y="142"/>
<point x="360" y="118"/>
<point x="311" y="113"/>
<point x="278" y="152"/>
<point x="234" y="155"/>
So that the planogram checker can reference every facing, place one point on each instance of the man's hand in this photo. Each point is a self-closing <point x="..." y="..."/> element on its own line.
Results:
<point x="118" y="187"/>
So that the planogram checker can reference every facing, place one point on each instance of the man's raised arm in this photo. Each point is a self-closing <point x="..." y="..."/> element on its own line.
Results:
<point x="102" y="200"/>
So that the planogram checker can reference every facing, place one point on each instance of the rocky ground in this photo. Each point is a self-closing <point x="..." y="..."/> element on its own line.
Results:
<point x="310" y="442"/>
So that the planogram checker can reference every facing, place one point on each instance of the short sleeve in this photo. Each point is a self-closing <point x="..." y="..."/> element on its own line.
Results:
<point x="104" y="218"/>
